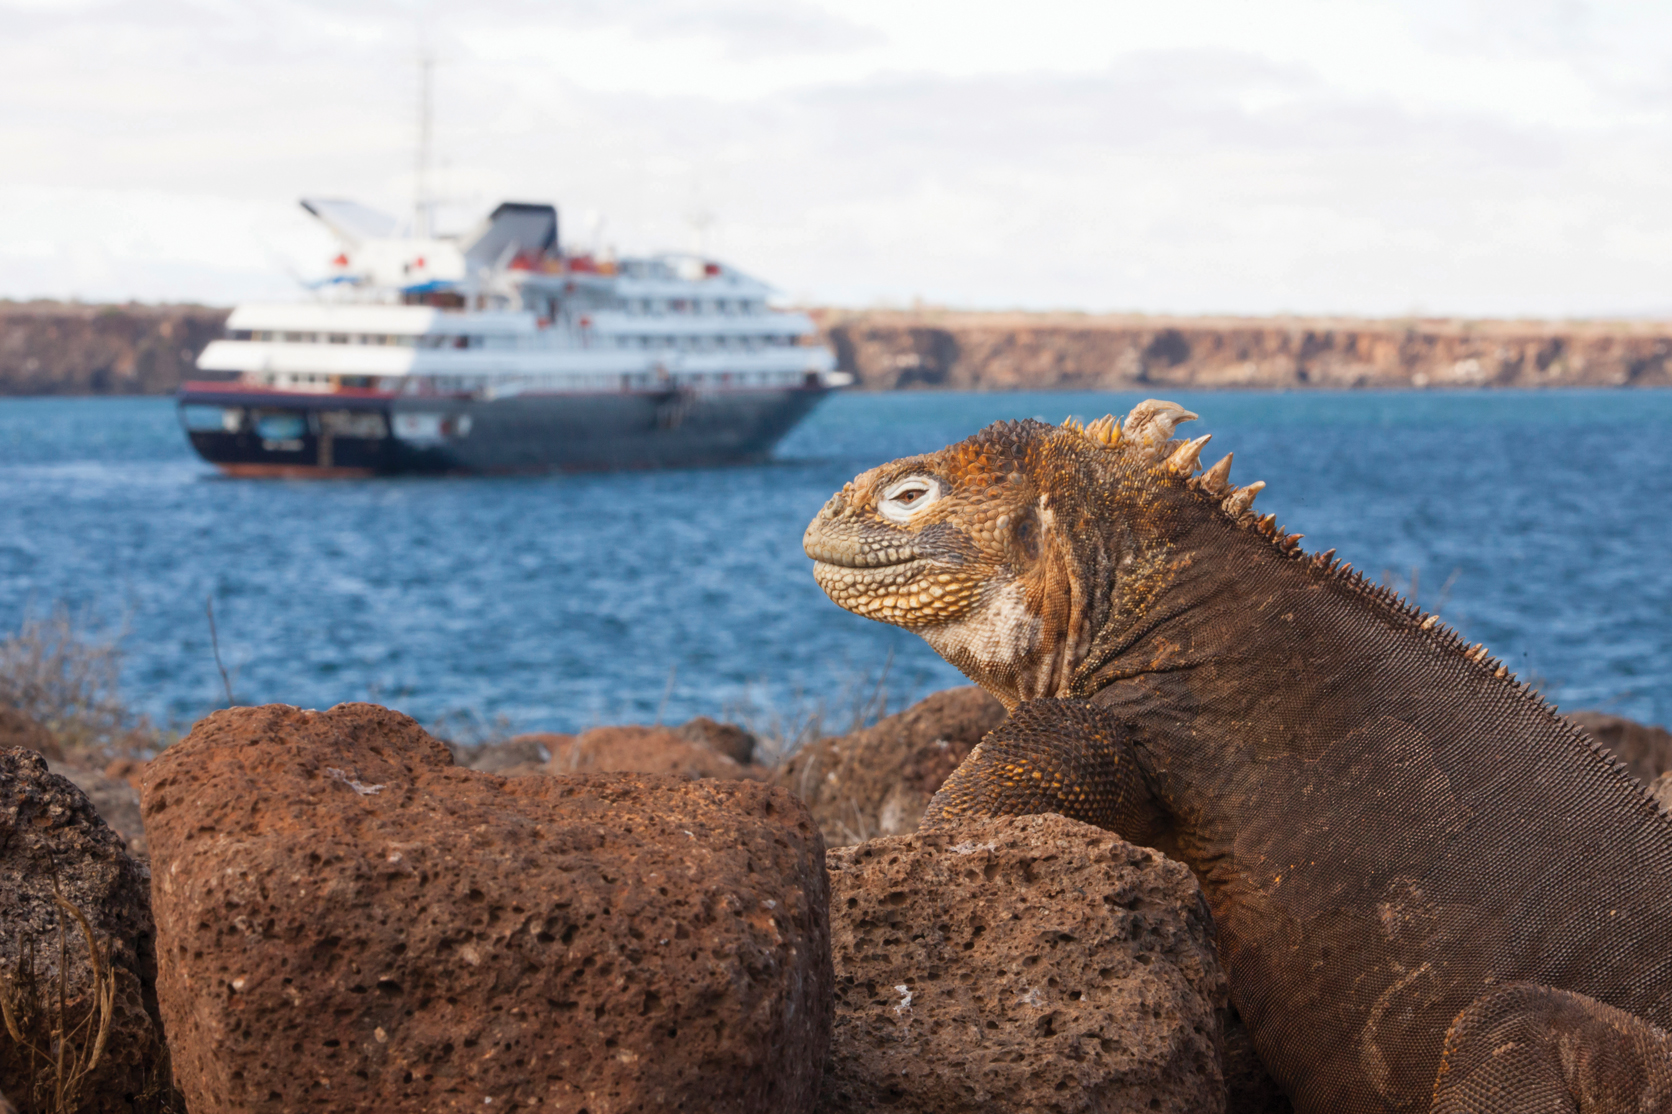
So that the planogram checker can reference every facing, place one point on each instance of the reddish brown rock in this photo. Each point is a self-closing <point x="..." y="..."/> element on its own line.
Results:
<point x="348" y="921"/>
<point x="704" y="750"/>
<point x="644" y="750"/>
<point x="130" y="770"/>
<point x="1661" y="790"/>
<point x="724" y="738"/>
<point x="50" y="834"/>
<point x="115" y="798"/>
<point x="1021" y="964"/>
<point x="517" y="757"/>
<point x="1644" y="748"/>
<point x="878" y="781"/>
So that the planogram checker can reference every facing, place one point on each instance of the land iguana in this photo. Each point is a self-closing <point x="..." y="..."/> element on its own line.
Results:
<point x="1430" y="891"/>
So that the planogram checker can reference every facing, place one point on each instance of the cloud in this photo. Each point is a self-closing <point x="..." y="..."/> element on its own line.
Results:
<point x="1194" y="157"/>
<point x="746" y="28"/>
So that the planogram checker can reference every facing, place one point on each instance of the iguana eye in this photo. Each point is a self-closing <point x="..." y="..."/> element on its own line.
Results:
<point x="903" y="499"/>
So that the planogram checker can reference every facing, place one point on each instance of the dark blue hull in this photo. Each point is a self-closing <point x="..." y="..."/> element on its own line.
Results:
<point x="266" y="433"/>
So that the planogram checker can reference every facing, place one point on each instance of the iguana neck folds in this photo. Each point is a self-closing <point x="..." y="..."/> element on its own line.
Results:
<point x="1009" y="551"/>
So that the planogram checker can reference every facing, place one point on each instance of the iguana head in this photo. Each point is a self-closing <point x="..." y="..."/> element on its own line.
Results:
<point x="1009" y="551"/>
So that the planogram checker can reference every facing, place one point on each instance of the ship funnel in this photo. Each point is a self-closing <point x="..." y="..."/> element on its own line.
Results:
<point x="513" y="229"/>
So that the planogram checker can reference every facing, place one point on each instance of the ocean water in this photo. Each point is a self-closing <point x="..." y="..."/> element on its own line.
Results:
<point x="1539" y="523"/>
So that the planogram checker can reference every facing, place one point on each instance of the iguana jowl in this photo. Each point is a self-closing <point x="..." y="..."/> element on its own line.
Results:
<point x="1431" y="892"/>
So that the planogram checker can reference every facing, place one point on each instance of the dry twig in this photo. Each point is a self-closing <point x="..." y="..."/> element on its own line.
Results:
<point x="63" y="1041"/>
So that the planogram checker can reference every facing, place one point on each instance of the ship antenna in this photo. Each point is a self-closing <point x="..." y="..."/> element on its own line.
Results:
<point x="421" y="203"/>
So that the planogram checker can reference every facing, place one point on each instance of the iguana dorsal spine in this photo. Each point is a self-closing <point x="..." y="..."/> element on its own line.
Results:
<point x="1388" y="826"/>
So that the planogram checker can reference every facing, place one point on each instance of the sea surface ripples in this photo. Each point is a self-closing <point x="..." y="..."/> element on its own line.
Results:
<point x="1540" y="523"/>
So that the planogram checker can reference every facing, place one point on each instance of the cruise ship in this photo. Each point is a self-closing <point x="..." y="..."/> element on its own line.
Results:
<point x="498" y="352"/>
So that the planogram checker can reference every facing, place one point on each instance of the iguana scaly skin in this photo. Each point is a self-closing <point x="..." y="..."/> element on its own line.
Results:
<point x="1431" y="891"/>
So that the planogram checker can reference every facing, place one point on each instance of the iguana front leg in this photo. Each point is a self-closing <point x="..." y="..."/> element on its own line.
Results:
<point x="1534" y="1048"/>
<point x="1054" y="755"/>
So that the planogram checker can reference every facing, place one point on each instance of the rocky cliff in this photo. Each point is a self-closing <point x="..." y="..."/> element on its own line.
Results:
<point x="1032" y="351"/>
<point x="57" y="348"/>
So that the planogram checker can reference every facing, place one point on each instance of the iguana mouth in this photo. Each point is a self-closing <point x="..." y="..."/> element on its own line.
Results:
<point x="900" y="574"/>
<point x="846" y="554"/>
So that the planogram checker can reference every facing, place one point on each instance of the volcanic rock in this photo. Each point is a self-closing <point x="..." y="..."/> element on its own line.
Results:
<point x="525" y="754"/>
<point x="948" y="349"/>
<point x="116" y="800"/>
<point x="347" y="920"/>
<point x="1645" y="749"/>
<point x="724" y="738"/>
<point x="877" y="781"/>
<point x="51" y="836"/>
<point x="1026" y="963"/>
<point x="645" y="750"/>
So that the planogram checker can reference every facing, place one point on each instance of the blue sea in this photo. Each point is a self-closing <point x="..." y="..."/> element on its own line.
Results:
<point x="1539" y="523"/>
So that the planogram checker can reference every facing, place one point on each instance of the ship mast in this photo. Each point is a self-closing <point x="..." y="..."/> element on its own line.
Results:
<point x="422" y="203"/>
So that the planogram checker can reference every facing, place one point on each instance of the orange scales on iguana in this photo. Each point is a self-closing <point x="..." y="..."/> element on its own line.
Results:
<point x="1431" y="892"/>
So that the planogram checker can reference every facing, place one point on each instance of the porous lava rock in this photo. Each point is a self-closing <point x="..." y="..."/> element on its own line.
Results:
<point x="1028" y="963"/>
<point x="877" y="781"/>
<point x="725" y="738"/>
<point x="115" y="799"/>
<point x="1645" y="749"/>
<point x="645" y="750"/>
<point x="517" y="757"/>
<point x="50" y="835"/>
<point x="349" y="921"/>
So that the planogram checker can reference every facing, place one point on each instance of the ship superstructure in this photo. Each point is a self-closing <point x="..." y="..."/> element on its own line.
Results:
<point x="498" y="351"/>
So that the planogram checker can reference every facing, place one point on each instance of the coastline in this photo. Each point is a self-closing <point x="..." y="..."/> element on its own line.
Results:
<point x="59" y="348"/>
<point x="928" y="349"/>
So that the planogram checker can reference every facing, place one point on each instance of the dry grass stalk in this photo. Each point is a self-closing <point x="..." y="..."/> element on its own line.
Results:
<point x="780" y="734"/>
<point x="467" y="731"/>
<point x="64" y="677"/>
<point x="862" y="832"/>
<point x="62" y="1062"/>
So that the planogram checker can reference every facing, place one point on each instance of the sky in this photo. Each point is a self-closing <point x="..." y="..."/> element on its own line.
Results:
<point x="1196" y="156"/>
